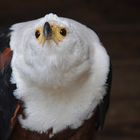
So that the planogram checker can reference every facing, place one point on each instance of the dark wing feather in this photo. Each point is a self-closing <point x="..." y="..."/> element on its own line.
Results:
<point x="103" y="106"/>
<point x="7" y="101"/>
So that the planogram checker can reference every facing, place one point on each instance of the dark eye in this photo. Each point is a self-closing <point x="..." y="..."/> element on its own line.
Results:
<point x="37" y="33"/>
<point x="63" y="32"/>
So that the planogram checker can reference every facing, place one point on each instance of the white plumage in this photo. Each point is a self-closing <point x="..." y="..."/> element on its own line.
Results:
<point x="59" y="83"/>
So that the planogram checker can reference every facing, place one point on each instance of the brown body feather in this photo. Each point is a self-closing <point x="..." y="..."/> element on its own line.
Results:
<point x="85" y="132"/>
<point x="5" y="58"/>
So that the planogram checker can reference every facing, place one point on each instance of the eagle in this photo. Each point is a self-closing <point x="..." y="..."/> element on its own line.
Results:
<point x="55" y="80"/>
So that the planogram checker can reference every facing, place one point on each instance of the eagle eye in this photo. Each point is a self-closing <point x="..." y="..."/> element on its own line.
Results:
<point x="63" y="32"/>
<point x="37" y="33"/>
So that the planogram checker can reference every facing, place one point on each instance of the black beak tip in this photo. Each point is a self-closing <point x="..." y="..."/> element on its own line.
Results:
<point x="47" y="30"/>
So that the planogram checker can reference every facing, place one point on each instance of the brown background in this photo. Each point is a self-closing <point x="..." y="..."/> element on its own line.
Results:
<point x="117" y="23"/>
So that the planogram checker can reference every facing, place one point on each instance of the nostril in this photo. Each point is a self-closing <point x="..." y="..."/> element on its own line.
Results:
<point x="47" y="30"/>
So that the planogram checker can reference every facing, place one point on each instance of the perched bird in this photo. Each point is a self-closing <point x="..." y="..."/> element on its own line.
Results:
<point x="55" y="79"/>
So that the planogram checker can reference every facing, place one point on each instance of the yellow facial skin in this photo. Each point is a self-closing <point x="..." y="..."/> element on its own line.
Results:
<point x="58" y="34"/>
<point x="40" y="38"/>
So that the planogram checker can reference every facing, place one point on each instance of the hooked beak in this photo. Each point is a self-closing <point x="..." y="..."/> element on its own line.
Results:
<point x="47" y="30"/>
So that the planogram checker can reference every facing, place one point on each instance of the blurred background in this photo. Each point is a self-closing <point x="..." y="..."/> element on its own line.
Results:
<point x="117" y="22"/>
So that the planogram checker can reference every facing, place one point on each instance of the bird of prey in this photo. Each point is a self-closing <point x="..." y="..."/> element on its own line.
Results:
<point x="55" y="79"/>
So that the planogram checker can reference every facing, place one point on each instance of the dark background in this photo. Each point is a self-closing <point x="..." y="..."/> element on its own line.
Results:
<point x="117" y="22"/>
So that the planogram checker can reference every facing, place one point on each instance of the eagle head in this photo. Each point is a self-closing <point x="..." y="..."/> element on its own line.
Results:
<point x="51" y="50"/>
